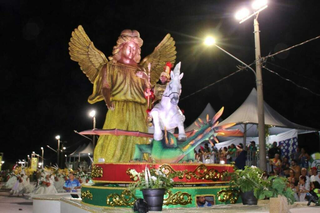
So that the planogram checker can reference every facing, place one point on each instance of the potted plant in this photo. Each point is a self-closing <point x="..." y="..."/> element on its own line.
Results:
<point x="273" y="187"/>
<point x="153" y="183"/>
<point x="246" y="181"/>
<point x="253" y="186"/>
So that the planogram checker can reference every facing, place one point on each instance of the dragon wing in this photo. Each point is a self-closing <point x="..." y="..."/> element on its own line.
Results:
<point x="163" y="53"/>
<point x="83" y="51"/>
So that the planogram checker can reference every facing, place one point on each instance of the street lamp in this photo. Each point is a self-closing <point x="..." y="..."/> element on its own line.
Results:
<point x="92" y="114"/>
<point x="242" y="15"/>
<point x="209" y="41"/>
<point x="42" y="154"/>
<point x="58" y="150"/>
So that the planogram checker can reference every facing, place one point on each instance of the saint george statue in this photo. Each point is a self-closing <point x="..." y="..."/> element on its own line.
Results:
<point x="121" y="82"/>
<point x="164" y="79"/>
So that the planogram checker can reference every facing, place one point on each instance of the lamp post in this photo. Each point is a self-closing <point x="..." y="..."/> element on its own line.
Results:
<point x="28" y="157"/>
<point x="58" y="150"/>
<point x="209" y="41"/>
<point x="92" y="114"/>
<point x="243" y="15"/>
<point x="42" y="155"/>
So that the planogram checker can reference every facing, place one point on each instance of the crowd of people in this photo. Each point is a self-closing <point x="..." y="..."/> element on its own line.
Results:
<point x="231" y="154"/>
<point x="303" y="179"/>
<point x="26" y="182"/>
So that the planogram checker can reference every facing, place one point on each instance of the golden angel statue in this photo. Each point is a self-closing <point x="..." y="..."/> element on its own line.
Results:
<point x="121" y="81"/>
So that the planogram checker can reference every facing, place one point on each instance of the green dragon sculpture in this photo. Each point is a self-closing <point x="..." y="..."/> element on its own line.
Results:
<point x="169" y="150"/>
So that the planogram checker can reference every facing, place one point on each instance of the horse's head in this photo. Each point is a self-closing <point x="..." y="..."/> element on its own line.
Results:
<point x="173" y="89"/>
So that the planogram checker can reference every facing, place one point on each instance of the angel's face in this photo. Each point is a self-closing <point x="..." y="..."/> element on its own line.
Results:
<point x="129" y="50"/>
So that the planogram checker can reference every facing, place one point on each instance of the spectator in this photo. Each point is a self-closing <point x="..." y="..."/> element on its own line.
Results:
<point x="314" y="194"/>
<point x="72" y="184"/>
<point x="296" y="169"/>
<point x="207" y="148"/>
<point x="304" y="158"/>
<point x="295" y="156"/>
<point x="291" y="178"/>
<point x="223" y="154"/>
<point x="285" y="165"/>
<point x="302" y="188"/>
<point x="276" y="163"/>
<point x="215" y="153"/>
<point x="314" y="175"/>
<point x="195" y="154"/>
<point x="274" y="150"/>
<point x="286" y="172"/>
<point x="240" y="161"/>
<point x="304" y="173"/>
<point x="232" y="152"/>
<point x="202" y="202"/>
<point x="253" y="153"/>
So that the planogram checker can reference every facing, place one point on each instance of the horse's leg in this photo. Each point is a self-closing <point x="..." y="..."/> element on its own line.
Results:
<point x="182" y="133"/>
<point x="157" y="135"/>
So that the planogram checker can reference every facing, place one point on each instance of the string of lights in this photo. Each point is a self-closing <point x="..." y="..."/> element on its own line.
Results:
<point x="286" y="79"/>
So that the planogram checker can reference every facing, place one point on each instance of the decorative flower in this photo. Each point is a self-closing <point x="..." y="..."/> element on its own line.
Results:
<point x="151" y="179"/>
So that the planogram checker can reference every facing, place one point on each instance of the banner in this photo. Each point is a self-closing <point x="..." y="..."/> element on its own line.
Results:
<point x="289" y="146"/>
<point x="34" y="164"/>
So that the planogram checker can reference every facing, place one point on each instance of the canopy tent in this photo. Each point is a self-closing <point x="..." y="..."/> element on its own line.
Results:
<point x="246" y="119"/>
<point x="208" y="110"/>
<point x="82" y="150"/>
<point x="76" y="152"/>
<point x="291" y="134"/>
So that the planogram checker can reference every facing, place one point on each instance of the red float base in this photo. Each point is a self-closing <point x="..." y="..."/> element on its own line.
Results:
<point x="193" y="173"/>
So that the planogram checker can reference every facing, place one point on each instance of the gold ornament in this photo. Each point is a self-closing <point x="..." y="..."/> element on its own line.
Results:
<point x="203" y="173"/>
<point x="228" y="195"/>
<point x="87" y="194"/>
<point x="178" y="198"/>
<point x="200" y="173"/>
<point x="125" y="199"/>
<point x="97" y="172"/>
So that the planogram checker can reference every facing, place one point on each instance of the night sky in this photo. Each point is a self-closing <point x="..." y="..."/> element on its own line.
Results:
<point x="44" y="93"/>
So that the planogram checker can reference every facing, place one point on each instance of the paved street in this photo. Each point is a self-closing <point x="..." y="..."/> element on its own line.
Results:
<point x="13" y="204"/>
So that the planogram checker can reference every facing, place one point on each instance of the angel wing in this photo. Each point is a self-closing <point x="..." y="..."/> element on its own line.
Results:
<point x="163" y="53"/>
<point x="82" y="50"/>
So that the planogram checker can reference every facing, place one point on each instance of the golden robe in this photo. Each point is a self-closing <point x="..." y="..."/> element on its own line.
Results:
<point x="127" y="94"/>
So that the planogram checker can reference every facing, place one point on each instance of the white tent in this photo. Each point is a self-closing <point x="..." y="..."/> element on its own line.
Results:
<point x="246" y="119"/>
<point x="208" y="110"/>
<point x="269" y="140"/>
<point x="76" y="152"/>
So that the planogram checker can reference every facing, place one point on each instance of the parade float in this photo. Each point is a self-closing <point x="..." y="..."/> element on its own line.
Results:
<point x="126" y="84"/>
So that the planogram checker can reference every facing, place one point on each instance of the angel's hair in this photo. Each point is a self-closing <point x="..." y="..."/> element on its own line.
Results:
<point x="127" y="36"/>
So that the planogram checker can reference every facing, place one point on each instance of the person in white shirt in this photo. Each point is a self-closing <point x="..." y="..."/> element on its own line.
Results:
<point x="315" y="176"/>
<point x="304" y="173"/>
<point x="302" y="188"/>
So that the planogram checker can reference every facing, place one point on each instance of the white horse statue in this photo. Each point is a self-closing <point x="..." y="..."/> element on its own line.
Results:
<point x="166" y="114"/>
